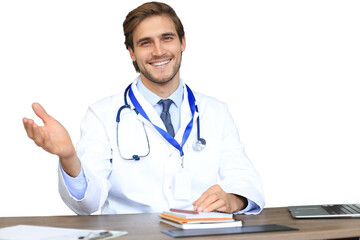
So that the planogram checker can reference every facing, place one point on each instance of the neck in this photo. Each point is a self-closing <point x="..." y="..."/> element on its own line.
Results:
<point x="163" y="90"/>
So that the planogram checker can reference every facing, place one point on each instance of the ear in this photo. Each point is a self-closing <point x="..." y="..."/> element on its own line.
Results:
<point x="183" y="44"/>
<point x="132" y="55"/>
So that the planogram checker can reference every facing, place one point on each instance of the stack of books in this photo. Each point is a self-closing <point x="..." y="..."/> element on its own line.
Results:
<point x="187" y="219"/>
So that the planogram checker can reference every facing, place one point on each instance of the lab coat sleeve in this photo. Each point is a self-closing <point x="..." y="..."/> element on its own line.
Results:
<point x="238" y="175"/>
<point x="95" y="154"/>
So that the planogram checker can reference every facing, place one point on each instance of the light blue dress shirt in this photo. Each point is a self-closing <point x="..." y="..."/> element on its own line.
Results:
<point x="175" y="109"/>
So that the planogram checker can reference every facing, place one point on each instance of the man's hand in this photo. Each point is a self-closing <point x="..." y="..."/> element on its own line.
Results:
<point x="215" y="199"/>
<point x="53" y="138"/>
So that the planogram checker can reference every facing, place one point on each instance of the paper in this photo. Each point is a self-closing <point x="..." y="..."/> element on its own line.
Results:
<point x="29" y="232"/>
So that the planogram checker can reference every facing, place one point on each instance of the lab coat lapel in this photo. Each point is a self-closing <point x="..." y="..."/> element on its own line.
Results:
<point x="148" y="108"/>
<point x="185" y="116"/>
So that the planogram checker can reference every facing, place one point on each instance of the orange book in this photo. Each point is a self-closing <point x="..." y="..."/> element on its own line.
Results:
<point x="196" y="217"/>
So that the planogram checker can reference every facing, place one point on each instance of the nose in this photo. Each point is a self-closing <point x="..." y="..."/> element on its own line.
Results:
<point x="158" y="49"/>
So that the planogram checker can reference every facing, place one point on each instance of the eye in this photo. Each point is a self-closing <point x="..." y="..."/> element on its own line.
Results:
<point x="144" y="43"/>
<point x="168" y="38"/>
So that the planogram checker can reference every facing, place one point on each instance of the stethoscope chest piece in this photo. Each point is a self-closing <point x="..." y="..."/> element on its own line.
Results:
<point x="199" y="144"/>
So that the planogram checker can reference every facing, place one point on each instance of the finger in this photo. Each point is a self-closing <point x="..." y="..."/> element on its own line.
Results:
<point x="28" y="127"/>
<point x="223" y="209"/>
<point x="211" y="203"/>
<point x="37" y="135"/>
<point x="218" y="205"/>
<point x="199" y="201"/>
<point x="211" y="190"/>
<point x="40" y="112"/>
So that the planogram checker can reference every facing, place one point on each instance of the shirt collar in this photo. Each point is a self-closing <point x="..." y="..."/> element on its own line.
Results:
<point x="153" y="99"/>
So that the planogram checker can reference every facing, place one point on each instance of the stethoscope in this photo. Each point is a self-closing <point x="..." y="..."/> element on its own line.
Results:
<point x="198" y="145"/>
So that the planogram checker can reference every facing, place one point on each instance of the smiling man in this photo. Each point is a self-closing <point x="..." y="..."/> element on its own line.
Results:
<point x="157" y="51"/>
<point x="141" y="150"/>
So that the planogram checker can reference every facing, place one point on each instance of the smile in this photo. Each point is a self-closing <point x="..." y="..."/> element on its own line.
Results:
<point x="161" y="63"/>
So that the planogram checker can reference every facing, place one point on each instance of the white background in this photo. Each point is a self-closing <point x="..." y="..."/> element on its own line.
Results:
<point x="289" y="71"/>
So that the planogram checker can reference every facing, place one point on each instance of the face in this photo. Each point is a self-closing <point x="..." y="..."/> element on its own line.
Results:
<point x="157" y="49"/>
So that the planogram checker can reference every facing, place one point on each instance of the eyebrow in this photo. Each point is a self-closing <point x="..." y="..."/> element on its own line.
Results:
<point x="148" y="38"/>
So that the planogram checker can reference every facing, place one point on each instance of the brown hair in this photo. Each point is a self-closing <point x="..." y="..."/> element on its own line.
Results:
<point x="136" y="16"/>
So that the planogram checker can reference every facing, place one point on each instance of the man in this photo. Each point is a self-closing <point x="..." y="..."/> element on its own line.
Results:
<point x="170" y="173"/>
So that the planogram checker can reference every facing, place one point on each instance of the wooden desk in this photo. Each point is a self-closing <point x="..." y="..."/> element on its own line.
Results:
<point x="147" y="226"/>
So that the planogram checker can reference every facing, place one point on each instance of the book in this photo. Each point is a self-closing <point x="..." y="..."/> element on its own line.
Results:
<point x="203" y="225"/>
<point x="187" y="219"/>
<point x="183" y="216"/>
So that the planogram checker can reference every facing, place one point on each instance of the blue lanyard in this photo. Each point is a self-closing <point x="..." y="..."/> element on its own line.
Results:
<point x="165" y="134"/>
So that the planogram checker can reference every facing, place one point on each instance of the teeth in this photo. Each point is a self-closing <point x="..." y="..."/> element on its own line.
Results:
<point x="161" y="63"/>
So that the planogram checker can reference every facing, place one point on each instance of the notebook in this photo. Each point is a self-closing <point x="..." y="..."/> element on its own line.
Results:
<point x="325" y="211"/>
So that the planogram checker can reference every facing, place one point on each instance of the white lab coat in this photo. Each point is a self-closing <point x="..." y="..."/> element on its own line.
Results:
<point x="116" y="185"/>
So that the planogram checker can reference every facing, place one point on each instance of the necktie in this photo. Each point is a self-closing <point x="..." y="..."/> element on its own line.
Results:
<point x="165" y="115"/>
